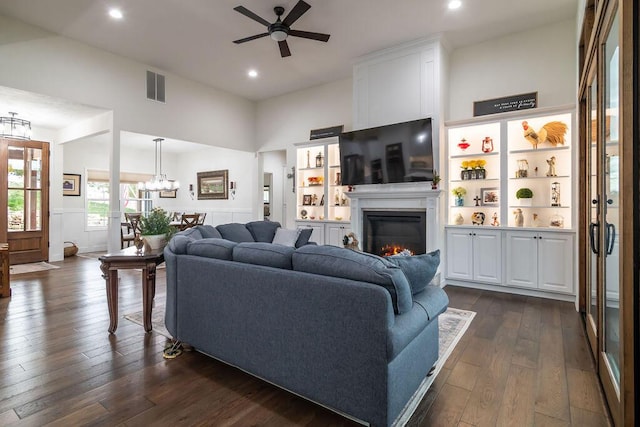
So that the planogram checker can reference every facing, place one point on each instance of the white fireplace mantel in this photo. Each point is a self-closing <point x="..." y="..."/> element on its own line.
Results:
<point x="398" y="197"/>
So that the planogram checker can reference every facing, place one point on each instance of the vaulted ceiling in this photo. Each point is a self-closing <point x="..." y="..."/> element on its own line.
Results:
<point x="194" y="38"/>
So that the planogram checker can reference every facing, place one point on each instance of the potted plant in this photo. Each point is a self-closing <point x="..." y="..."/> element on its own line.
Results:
<point x="459" y="192"/>
<point x="156" y="228"/>
<point x="524" y="195"/>
<point x="435" y="181"/>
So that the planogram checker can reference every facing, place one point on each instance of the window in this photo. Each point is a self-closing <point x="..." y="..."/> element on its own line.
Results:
<point x="97" y="192"/>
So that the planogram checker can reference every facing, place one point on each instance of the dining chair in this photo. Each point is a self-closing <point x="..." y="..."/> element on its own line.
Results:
<point x="202" y="217"/>
<point x="134" y="220"/>
<point x="188" y="221"/>
<point x="126" y="235"/>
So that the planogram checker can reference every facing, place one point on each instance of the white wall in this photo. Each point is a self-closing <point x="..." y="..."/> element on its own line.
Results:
<point x="41" y="62"/>
<point x="542" y="60"/>
<point x="287" y="119"/>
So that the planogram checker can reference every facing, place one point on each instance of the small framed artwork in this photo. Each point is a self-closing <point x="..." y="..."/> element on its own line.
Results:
<point x="490" y="196"/>
<point x="213" y="185"/>
<point x="306" y="200"/>
<point x="169" y="194"/>
<point x="71" y="184"/>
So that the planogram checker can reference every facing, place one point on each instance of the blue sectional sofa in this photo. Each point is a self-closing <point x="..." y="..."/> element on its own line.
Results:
<point x="345" y="329"/>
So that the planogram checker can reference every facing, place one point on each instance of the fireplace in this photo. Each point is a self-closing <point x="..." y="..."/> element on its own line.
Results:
<point x="390" y="232"/>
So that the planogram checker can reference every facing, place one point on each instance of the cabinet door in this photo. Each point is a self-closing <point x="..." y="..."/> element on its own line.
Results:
<point x="335" y="233"/>
<point x="555" y="262"/>
<point x="522" y="259"/>
<point x="487" y="256"/>
<point x="317" y="235"/>
<point x="459" y="254"/>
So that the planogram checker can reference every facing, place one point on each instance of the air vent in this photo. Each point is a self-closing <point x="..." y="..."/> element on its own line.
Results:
<point x="155" y="86"/>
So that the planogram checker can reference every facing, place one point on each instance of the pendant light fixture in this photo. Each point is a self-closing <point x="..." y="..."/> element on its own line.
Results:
<point x="159" y="181"/>
<point x="10" y="127"/>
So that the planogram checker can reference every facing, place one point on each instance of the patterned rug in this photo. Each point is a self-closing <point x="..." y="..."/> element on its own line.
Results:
<point x="452" y="325"/>
<point x="30" y="268"/>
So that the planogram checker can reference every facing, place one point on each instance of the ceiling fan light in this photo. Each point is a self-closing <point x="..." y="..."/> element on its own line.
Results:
<point x="278" y="35"/>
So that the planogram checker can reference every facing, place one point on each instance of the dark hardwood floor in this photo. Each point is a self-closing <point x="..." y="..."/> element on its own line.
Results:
<point x="523" y="361"/>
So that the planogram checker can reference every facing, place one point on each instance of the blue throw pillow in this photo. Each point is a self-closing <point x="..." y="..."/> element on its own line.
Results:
<point x="419" y="269"/>
<point x="303" y="238"/>
<point x="235" y="232"/>
<point x="263" y="231"/>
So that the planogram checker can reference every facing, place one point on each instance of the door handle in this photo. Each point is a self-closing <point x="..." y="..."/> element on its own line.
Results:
<point x="611" y="238"/>
<point x="592" y="238"/>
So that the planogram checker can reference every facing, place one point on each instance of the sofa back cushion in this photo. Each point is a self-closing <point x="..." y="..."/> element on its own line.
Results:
<point x="207" y="231"/>
<point x="263" y="231"/>
<point x="419" y="269"/>
<point x="212" y="248"/>
<point x="193" y="233"/>
<point x="361" y="266"/>
<point x="178" y="243"/>
<point x="261" y="253"/>
<point x="235" y="232"/>
<point x="303" y="238"/>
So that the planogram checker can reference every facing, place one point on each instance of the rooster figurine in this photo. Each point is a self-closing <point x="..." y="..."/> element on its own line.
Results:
<point x="553" y="132"/>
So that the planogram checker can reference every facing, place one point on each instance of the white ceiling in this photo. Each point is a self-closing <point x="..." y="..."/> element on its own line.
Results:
<point x="194" y="38"/>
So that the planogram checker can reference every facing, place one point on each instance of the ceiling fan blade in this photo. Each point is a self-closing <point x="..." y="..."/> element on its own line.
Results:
<point x="284" y="49"/>
<point x="298" y="10"/>
<point x="248" y="39"/>
<point x="246" y="12"/>
<point x="309" y="35"/>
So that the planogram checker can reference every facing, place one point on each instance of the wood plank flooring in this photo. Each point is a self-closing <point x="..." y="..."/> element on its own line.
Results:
<point x="523" y="362"/>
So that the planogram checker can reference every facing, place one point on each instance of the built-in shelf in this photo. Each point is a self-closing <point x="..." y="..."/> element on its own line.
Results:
<point x="539" y="207"/>
<point x="540" y="177"/>
<point x="474" y="180"/>
<point x="459" y="156"/>
<point x="538" y="150"/>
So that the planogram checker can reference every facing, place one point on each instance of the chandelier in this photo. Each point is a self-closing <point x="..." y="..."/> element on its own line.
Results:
<point x="159" y="181"/>
<point x="15" y="128"/>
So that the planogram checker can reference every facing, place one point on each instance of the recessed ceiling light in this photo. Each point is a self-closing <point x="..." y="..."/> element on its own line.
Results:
<point x="252" y="73"/>
<point x="455" y="4"/>
<point x="115" y="13"/>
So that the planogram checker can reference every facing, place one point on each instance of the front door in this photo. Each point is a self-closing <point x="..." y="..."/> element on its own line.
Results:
<point x="24" y="196"/>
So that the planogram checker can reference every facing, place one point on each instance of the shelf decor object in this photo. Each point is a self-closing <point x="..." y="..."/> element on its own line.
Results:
<point x="555" y="194"/>
<point x="463" y="144"/>
<point x="487" y="145"/>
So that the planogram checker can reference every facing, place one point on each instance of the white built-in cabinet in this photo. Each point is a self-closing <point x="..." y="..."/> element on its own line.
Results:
<point x="473" y="254"/>
<point x="540" y="260"/>
<point x="491" y="159"/>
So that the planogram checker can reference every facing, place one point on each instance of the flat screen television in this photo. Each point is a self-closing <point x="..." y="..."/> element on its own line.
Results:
<point x="401" y="152"/>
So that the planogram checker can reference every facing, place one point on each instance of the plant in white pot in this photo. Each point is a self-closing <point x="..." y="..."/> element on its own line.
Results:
<point x="524" y="195"/>
<point x="156" y="228"/>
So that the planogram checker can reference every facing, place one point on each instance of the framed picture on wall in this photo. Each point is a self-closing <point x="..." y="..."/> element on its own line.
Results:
<point x="71" y="184"/>
<point x="213" y="185"/>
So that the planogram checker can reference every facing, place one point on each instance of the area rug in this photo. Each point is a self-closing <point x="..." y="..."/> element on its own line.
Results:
<point x="31" y="267"/>
<point x="452" y="324"/>
<point x="157" y="321"/>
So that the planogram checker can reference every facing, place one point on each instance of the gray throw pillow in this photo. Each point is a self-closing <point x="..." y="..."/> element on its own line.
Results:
<point x="286" y="237"/>
<point x="419" y="269"/>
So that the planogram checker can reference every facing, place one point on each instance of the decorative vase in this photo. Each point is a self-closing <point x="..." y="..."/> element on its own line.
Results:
<point x="473" y="174"/>
<point x="459" y="201"/>
<point x="482" y="173"/>
<point x="459" y="219"/>
<point x="525" y="202"/>
<point x="464" y="174"/>
<point x="156" y="241"/>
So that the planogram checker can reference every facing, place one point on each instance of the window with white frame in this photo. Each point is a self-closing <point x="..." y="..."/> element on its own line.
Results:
<point x="97" y="191"/>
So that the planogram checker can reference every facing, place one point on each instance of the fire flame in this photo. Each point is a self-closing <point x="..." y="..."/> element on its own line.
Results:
<point x="388" y="250"/>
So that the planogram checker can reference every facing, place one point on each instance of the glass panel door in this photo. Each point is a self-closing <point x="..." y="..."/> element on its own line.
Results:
<point x="593" y="203"/>
<point x="611" y="189"/>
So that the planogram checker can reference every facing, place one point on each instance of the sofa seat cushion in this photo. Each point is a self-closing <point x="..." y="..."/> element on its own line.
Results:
<point x="212" y="248"/>
<point x="235" y="232"/>
<point x="266" y="254"/>
<point x="419" y="269"/>
<point x="286" y="237"/>
<point x="263" y="231"/>
<point x="360" y="266"/>
<point x="207" y="231"/>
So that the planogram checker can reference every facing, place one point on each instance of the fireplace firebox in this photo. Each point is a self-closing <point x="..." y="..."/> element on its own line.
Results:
<point x="390" y="232"/>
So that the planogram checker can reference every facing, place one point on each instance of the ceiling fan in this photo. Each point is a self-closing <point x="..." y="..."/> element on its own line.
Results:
<point x="281" y="29"/>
